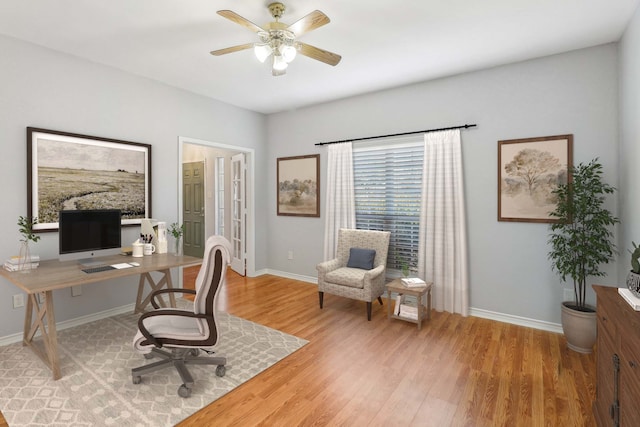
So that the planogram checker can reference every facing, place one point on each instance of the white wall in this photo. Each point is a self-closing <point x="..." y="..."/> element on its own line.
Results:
<point x="50" y="90"/>
<point x="573" y="93"/>
<point x="629" y="183"/>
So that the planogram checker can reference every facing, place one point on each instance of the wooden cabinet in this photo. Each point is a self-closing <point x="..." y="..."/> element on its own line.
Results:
<point x="618" y="361"/>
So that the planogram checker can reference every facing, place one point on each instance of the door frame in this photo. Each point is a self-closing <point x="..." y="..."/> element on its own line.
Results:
<point x="250" y="194"/>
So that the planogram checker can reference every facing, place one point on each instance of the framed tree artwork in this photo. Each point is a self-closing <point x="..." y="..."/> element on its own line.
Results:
<point x="67" y="171"/>
<point x="528" y="172"/>
<point x="298" y="180"/>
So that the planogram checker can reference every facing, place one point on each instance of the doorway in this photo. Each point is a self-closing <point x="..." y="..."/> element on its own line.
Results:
<point x="210" y="154"/>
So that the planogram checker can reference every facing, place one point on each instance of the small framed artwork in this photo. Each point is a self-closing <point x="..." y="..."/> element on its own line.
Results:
<point x="67" y="171"/>
<point x="298" y="180"/>
<point x="528" y="172"/>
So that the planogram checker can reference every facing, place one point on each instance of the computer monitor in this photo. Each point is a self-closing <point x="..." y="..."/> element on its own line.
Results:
<point x="88" y="234"/>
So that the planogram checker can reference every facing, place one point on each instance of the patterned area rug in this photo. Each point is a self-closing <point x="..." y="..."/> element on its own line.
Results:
<point x="96" y="387"/>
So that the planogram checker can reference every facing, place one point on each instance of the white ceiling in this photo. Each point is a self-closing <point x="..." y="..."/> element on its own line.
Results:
<point x="383" y="44"/>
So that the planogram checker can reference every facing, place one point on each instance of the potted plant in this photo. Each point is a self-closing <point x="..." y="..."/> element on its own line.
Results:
<point x="405" y="266"/>
<point x="581" y="242"/>
<point x="633" y="278"/>
<point x="177" y="231"/>
<point x="25" y="227"/>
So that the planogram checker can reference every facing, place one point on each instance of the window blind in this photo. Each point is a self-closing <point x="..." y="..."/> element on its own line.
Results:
<point x="388" y="181"/>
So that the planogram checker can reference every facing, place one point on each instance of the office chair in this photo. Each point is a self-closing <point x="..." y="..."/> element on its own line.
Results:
<point x="185" y="333"/>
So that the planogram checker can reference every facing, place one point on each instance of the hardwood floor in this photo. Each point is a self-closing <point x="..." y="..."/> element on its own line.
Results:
<point x="456" y="371"/>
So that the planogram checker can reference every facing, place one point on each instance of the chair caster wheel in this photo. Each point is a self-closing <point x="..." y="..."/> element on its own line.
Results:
<point x="221" y="370"/>
<point x="183" y="391"/>
<point x="148" y="356"/>
<point x="137" y="379"/>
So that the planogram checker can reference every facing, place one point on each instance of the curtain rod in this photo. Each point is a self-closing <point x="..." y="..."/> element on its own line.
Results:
<point x="398" y="134"/>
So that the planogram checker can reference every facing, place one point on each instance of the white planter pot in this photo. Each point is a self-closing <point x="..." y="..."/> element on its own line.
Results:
<point x="579" y="328"/>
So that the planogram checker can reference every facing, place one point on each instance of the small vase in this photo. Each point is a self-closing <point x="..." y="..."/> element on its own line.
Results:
<point x="177" y="247"/>
<point x="25" y="257"/>
<point x="633" y="283"/>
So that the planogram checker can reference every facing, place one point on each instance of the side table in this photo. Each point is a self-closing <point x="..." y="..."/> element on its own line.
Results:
<point x="422" y="293"/>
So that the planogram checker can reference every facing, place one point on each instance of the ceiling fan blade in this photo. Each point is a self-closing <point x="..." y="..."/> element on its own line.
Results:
<point x="315" y="19"/>
<point x="319" y="54"/>
<point x="232" y="16"/>
<point x="231" y="49"/>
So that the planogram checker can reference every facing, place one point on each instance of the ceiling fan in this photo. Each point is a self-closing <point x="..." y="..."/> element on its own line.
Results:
<point x="279" y="40"/>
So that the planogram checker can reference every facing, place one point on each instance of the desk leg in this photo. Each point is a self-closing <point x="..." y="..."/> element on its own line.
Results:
<point x="49" y="335"/>
<point x="141" y="303"/>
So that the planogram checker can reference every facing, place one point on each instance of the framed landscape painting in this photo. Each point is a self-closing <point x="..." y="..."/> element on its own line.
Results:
<point x="298" y="180"/>
<point x="528" y="172"/>
<point x="71" y="171"/>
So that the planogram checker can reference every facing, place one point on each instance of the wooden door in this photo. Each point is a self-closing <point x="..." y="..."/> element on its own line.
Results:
<point x="193" y="208"/>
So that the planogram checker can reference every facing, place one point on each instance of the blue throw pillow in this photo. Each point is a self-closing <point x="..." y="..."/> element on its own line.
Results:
<point x="361" y="258"/>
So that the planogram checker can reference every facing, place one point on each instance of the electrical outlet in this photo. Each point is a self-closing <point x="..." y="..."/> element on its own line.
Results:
<point x="568" y="295"/>
<point x="290" y="255"/>
<point x="76" y="291"/>
<point x="18" y="301"/>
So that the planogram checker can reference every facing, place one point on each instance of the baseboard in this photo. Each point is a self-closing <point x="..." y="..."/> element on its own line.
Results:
<point x="10" y="339"/>
<point x="516" y="320"/>
<point x="288" y="275"/>
<point x="485" y="314"/>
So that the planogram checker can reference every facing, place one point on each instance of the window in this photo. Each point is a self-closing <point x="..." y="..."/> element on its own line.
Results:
<point x="388" y="187"/>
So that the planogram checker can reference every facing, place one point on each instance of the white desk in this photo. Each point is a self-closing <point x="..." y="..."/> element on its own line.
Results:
<point x="53" y="274"/>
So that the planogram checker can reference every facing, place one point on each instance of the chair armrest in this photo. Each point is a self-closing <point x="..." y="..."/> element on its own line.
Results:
<point x="327" y="266"/>
<point x="373" y="273"/>
<point x="374" y="281"/>
<point x="167" y="291"/>
<point x="145" y="332"/>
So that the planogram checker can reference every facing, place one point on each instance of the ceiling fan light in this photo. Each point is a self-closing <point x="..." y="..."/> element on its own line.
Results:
<point x="262" y="51"/>
<point x="288" y="52"/>
<point x="279" y="63"/>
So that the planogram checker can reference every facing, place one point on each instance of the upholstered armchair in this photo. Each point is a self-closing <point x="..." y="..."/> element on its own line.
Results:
<point x="358" y="270"/>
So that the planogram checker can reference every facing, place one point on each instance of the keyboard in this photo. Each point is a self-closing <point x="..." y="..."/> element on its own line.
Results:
<point x="98" y="269"/>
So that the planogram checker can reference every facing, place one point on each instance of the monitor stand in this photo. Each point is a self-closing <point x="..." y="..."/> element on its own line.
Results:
<point x="90" y="262"/>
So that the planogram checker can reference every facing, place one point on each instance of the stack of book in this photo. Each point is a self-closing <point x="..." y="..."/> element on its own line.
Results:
<point x="16" y="263"/>
<point x="405" y="309"/>
<point x="413" y="282"/>
<point x="408" y="311"/>
<point x="633" y="300"/>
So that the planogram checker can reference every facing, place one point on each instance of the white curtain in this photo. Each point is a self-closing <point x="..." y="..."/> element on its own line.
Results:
<point x="340" y="203"/>
<point x="442" y="256"/>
